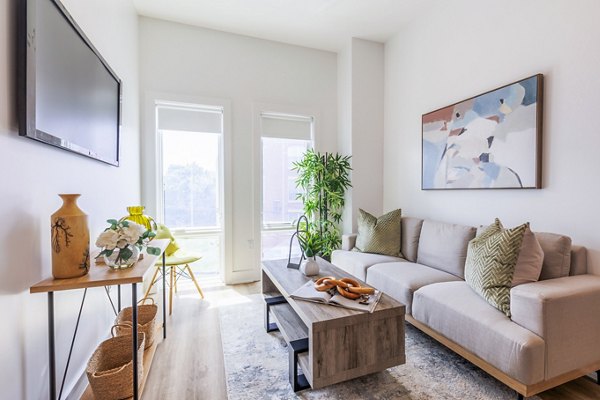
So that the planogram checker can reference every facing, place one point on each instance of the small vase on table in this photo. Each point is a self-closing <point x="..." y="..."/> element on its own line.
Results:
<point x="310" y="266"/>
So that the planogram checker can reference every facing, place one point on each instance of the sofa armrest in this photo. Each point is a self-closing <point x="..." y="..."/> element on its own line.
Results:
<point x="348" y="241"/>
<point x="565" y="312"/>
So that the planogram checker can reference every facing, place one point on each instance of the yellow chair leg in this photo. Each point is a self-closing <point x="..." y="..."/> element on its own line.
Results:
<point x="189" y="270"/>
<point x="152" y="282"/>
<point x="175" y="274"/>
<point x="171" y="291"/>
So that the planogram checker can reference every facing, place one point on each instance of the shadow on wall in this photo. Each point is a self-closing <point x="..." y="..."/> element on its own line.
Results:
<point x="22" y="263"/>
<point x="8" y="68"/>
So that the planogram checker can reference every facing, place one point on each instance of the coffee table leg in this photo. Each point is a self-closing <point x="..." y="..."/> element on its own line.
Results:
<point x="271" y="301"/>
<point x="298" y="381"/>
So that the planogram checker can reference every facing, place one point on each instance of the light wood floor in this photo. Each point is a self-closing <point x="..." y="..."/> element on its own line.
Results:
<point x="189" y="364"/>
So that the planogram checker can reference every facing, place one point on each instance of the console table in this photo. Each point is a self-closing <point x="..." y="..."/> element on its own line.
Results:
<point x="330" y="344"/>
<point x="101" y="275"/>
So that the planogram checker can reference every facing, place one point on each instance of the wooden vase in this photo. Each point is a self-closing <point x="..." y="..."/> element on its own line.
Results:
<point x="70" y="239"/>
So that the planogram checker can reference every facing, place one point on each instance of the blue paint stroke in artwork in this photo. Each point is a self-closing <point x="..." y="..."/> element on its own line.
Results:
<point x="432" y="154"/>
<point x="464" y="120"/>
<point x="492" y="170"/>
<point x="488" y="104"/>
<point x="530" y="86"/>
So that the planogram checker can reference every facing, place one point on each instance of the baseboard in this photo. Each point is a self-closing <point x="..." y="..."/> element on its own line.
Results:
<point x="246" y="276"/>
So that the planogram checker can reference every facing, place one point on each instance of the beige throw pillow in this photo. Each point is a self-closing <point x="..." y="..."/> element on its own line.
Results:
<point x="530" y="261"/>
<point x="379" y="235"/>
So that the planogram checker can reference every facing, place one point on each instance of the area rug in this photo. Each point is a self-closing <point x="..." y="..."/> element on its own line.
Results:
<point x="256" y="367"/>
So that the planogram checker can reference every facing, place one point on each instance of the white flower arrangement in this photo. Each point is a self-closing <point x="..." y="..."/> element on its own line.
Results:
<point x="121" y="236"/>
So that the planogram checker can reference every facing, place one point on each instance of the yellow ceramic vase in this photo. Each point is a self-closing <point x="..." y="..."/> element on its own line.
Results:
<point x="70" y="239"/>
<point x="136" y="214"/>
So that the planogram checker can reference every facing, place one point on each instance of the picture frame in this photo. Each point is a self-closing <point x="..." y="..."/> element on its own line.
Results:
<point x="489" y="141"/>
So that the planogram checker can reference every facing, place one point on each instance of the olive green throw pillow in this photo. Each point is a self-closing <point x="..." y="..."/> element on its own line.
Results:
<point x="490" y="264"/>
<point x="379" y="235"/>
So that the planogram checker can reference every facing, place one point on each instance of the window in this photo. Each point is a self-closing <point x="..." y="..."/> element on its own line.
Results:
<point x="191" y="187"/>
<point x="284" y="140"/>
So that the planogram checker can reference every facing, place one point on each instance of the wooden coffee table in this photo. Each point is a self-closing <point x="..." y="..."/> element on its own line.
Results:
<point x="330" y="344"/>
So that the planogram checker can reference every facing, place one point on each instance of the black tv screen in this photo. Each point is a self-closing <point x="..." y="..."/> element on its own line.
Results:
<point x="70" y="97"/>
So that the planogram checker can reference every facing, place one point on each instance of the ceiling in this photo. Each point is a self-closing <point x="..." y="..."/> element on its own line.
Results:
<point x="320" y="24"/>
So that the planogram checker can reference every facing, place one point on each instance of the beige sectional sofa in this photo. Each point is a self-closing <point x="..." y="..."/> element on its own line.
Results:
<point x="553" y="335"/>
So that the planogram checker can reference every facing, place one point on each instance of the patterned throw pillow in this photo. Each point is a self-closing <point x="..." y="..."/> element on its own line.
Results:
<point x="379" y="235"/>
<point x="491" y="260"/>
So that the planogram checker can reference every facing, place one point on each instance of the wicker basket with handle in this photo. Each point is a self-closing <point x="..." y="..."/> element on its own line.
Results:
<point x="110" y="369"/>
<point x="146" y="320"/>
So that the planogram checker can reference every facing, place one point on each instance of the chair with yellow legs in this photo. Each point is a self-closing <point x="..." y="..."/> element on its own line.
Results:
<point x="177" y="262"/>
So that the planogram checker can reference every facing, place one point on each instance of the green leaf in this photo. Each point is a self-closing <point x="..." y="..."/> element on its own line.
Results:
<point x="155" y="251"/>
<point x="125" y="253"/>
<point x="105" y="252"/>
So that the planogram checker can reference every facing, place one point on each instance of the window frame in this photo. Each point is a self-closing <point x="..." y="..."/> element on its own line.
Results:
<point x="160" y="201"/>
<point x="152" y="169"/>
<point x="280" y="112"/>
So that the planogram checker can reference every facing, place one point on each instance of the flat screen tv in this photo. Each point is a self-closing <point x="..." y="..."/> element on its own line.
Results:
<point x="69" y="97"/>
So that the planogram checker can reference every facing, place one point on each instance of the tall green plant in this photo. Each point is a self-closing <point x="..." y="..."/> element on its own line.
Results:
<point x="323" y="180"/>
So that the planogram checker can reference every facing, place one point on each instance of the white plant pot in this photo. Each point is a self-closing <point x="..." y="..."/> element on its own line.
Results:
<point x="309" y="267"/>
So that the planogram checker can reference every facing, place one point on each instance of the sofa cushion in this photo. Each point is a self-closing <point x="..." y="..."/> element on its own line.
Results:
<point x="401" y="279"/>
<point x="458" y="313"/>
<point x="557" y="255"/>
<point x="379" y="235"/>
<point x="444" y="246"/>
<point x="356" y="263"/>
<point x="491" y="260"/>
<point x="411" y="231"/>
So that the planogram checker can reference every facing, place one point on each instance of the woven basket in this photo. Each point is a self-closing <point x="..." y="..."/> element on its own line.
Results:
<point x="146" y="320"/>
<point x="110" y="369"/>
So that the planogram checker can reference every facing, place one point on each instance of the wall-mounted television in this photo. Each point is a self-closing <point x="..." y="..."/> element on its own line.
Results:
<point x="69" y="97"/>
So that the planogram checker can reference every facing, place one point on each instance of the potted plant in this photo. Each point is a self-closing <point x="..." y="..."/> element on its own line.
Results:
<point x="122" y="242"/>
<point x="323" y="180"/>
<point x="311" y="244"/>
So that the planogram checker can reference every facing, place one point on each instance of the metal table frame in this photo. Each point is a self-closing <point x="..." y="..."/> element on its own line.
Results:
<point x="51" y="334"/>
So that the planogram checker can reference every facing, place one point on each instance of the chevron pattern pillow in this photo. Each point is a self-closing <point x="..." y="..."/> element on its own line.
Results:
<point x="490" y="264"/>
<point x="379" y="235"/>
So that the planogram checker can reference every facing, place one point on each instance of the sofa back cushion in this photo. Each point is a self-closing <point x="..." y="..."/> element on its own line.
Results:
<point x="411" y="231"/>
<point x="557" y="255"/>
<point x="444" y="246"/>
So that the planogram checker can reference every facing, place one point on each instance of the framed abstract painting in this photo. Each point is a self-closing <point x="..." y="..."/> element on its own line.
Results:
<point x="490" y="141"/>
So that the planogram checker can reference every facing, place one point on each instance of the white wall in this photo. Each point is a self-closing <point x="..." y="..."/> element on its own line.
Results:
<point x="190" y="61"/>
<point x="344" y="98"/>
<point x="360" y="125"/>
<point x="464" y="48"/>
<point x="367" y="127"/>
<point x="32" y="176"/>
